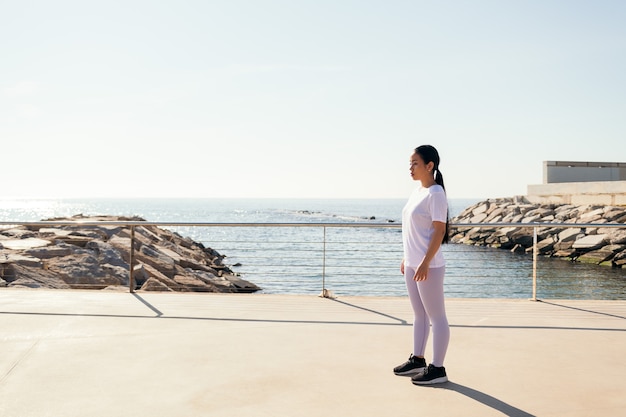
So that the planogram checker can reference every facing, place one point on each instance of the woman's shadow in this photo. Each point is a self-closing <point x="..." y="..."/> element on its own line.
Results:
<point x="485" y="399"/>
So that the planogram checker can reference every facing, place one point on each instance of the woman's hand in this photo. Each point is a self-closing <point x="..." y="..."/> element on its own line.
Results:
<point x="402" y="267"/>
<point x="421" y="274"/>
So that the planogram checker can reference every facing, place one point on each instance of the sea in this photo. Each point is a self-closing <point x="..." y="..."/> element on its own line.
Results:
<point x="347" y="261"/>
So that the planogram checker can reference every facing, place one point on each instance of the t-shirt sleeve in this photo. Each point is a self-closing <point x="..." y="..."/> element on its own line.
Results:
<point x="439" y="206"/>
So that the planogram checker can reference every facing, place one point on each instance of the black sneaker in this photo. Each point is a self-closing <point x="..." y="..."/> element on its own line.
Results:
<point x="432" y="375"/>
<point x="411" y="367"/>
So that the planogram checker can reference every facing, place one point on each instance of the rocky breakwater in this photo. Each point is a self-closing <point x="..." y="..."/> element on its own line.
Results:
<point x="598" y="245"/>
<point x="97" y="257"/>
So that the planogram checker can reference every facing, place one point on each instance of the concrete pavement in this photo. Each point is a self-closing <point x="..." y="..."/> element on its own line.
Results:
<point x="97" y="353"/>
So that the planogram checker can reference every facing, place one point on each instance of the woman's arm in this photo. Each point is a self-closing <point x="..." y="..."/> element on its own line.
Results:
<point x="435" y="242"/>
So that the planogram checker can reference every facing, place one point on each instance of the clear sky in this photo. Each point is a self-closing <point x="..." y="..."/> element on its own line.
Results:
<point x="302" y="98"/>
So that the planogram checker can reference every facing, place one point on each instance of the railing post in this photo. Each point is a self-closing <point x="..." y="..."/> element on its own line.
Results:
<point x="131" y="261"/>
<point x="534" y="264"/>
<point x="324" y="264"/>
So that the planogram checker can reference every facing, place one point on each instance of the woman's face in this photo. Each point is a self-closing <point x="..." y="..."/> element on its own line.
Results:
<point x="419" y="170"/>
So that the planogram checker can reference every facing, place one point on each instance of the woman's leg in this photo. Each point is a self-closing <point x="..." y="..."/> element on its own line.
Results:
<point x="421" y="323"/>
<point x="431" y="292"/>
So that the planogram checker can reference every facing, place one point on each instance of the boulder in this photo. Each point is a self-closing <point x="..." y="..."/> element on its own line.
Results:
<point x="523" y="236"/>
<point x="566" y="245"/>
<point x="163" y="264"/>
<point x="590" y="242"/>
<point x="107" y="253"/>
<point x="25" y="260"/>
<point x="194" y="283"/>
<point x="478" y="218"/>
<point x="565" y="253"/>
<point x="612" y="213"/>
<point x="545" y="246"/>
<point x="617" y="236"/>
<point x="49" y="252"/>
<point x="619" y="260"/>
<point x="577" y="242"/>
<point x="518" y="249"/>
<point x="482" y="208"/>
<point x="154" y="285"/>
<point x="17" y="275"/>
<point x="25" y="243"/>
<point x="569" y="235"/>
<point x="82" y="271"/>
<point x="603" y="254"/>
<point x="591" y="216"/>
<point x="97" y="257"/>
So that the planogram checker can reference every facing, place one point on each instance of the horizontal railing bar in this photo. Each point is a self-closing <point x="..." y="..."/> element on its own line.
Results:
<point x="296" y="224"/>
<point x="304" y="242"/>
<point x="535" y="224"/>
<point x="191" y="224"/>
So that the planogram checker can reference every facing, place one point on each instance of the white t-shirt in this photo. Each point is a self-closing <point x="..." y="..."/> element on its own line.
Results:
<point x="425" y="206"/>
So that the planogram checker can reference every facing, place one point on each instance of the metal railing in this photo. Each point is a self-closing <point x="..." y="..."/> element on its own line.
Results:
<point x="328" y="253"/>
<point x="536" y="227"/>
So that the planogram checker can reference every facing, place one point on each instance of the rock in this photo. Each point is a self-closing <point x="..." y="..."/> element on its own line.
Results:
<point x="611" y="213"/>
<point x="566" y="245"/>
<point x="75" y="240"/>
<point x="591" y="216"/>
<point x="194" y="283"/>
<point x="523" y="236"/>
<point x="162" y="263"/>
<point x="53" y="232"/>
<point x="241" y="285"/>
<point x="598" y="256"/>
<point x="155" y="274"/>
<point x="617" y="236"/>
<point x="480" y="209"/>
<point x="478" y="218"/>
<point x="545" y="246"/>
<point x="26" y="243"/>
<point x="531" y="219"/>
<point x="619" y="260"/>
<point x="541" y="213"/>
<point x="107" y="253"/>
<point x="25" y="260"/>
<point x="82" y="271"/>
<point x="18" y="233"/>
<point x="97" y="257"/>
<point x="17" y="275"/>
<point x="590" y="242"/>
<point x="568" y="235"/>
<point x="48" y="252"/>
<point x="118" y="288"/>
<point x="154" y="285"/>
<point x="565" y="253"/>
<point x="518" y="249"/>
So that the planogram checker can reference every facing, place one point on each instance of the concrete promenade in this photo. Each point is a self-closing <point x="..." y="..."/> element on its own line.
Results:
<point x="80" y="353"/>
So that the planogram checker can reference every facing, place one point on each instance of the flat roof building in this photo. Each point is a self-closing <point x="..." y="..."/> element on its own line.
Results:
<point x="575" y="182"/>
<point x="569" y="171"/>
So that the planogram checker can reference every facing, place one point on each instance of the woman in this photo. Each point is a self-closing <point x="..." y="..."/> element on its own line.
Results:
<point x="424" y="229"/>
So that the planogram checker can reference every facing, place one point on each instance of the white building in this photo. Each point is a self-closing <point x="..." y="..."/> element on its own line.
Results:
<point x="569" y="182"/>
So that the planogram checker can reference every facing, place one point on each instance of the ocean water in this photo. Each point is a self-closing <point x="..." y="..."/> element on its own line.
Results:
<point x="347" y="261"/>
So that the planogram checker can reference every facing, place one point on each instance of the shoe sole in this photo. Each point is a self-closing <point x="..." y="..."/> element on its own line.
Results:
<point x="439" y="380"/>
<point x="412" y="372"/>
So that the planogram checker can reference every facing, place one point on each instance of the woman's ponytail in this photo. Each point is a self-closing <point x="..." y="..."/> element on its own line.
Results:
<point x="439" y="180"/>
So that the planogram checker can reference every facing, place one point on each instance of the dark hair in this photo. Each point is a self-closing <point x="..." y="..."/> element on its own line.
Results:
<point x="429" y="154"/>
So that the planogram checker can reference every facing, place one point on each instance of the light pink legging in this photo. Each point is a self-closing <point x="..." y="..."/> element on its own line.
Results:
<point x="429" y="309"/>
